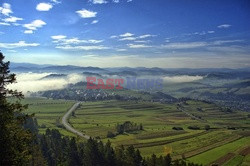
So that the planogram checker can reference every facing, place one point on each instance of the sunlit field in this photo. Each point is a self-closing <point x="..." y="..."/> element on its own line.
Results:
<point x="221" y="135"/>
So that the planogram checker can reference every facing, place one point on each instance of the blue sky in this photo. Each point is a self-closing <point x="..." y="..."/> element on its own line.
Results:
<point x="116" y="33"/>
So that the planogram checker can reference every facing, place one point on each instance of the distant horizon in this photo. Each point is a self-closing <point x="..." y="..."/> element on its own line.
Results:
<point x="116" y="33"/>
<point x="123" y="66"/>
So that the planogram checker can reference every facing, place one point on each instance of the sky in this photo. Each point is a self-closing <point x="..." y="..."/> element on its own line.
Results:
<point x="132" y="33"/>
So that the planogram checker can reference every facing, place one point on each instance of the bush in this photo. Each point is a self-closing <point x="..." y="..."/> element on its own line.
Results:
<point x="43" y="126"/>
<point x="207" y="127"/>
<point x="231" y="128"/>
<point x="177" y="128"/>
<point x="110" y="134"/>
<point x="193" y="127"/>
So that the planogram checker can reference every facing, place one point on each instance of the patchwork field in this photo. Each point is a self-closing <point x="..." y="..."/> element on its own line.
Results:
<point x="208" y="130"/>
<point x="48" y="112"/>
<point x="98" y="118"/>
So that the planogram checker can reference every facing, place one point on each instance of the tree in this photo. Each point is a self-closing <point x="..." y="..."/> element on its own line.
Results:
<point x="110" y="134"/>
<point x="153" y="160"/>
<point x="109" y="154"/>
<point x="74" y="158"/>
<point x="15" y="141"/>
<point x="207" y="127"/>
<point x="167" y="160"/>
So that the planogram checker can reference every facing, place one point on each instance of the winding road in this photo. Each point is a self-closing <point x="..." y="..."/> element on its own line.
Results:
<point x="68" y="126"/>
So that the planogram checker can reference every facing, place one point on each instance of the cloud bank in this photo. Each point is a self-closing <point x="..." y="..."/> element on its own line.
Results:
<point x="182" y="78"/>
<point x="33" y="82"/>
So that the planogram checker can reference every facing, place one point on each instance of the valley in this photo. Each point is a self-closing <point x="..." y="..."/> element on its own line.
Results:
<point x="212" y="129"/>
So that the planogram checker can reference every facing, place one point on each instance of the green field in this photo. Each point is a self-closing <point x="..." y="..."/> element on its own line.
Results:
<point x="98" y="118"/>
<point x="48" y="112"/>
<point x="216" y="153"/>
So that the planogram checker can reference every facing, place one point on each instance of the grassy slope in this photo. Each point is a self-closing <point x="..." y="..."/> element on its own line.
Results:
<point x="48" y="112"/>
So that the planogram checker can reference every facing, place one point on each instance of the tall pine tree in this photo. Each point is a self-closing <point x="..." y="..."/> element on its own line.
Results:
<point x="15" y="141"/>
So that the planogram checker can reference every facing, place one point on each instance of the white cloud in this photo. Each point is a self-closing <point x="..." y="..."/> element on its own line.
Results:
<point x="184" y="45"/>
<point x="113" y="37"/>
<point x="220" y="42"/>
<point x="12" y="19"/>
<point x="86" y="13"/>
<point x="55" y="1"/>
<point x="121" y="49"/>
<point x="5" y="9"/>
<point x="126" y="34"/>
<point x="210" y="31"/>
<point x="116" y="1"/>
<point x="191" y="45"/>
<point x="33" y="82"/>
<point x="62" y="40"/>
<point x="94" y="41"/>
<point x="98" y="1"/>
<point x="44" y="7"/>
<point x="34" y="25"/>
<point x="85" y="48"/>
<point x="228" y="49"/>
<point x="28" y="31"/>
<point x="58" y="37"/>
<point x="11" y="50"/>
<point x="182" y="78"/>
<point x="4" y="23"/>
<point x="224" y="26"/>
<point x="94" y="21"/>
<point x="138" y="46"/>
<point x="145" y="36"/>
<point x="129" y="0"/>
<point x="18" y="45"/>
<point x="16" y="24"/>
<point x="142" y="41"/>
<point x="202" y="33"/>
<point x="128" y="38"/>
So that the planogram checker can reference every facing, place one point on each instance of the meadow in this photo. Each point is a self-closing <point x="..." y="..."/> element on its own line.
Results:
<point x="48" y="112"/>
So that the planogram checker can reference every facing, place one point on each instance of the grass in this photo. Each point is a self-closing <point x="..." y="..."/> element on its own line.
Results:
<point x="211" y="155"/>
<point x="237" y="160"/>
<point x="97" y="118"/>
<point x="48" y="112"/>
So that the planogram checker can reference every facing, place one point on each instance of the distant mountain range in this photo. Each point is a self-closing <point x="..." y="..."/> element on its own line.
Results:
<point x="211" y="73"/>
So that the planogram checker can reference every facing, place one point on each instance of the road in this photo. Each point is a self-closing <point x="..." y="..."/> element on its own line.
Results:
<point x="68" y="126"/>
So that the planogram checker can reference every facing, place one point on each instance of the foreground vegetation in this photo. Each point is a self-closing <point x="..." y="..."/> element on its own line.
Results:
<point x="59" y="150"/>
<point x="166" y="127"/>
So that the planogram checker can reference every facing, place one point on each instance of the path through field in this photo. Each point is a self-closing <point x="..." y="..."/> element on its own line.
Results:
<point x="68" y="126"/>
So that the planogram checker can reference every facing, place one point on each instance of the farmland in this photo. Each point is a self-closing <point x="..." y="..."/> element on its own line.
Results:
<point x="158" y="136"/>
<point x="48" y="112"/>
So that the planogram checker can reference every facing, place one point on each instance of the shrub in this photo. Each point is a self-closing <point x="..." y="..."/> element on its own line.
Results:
<point x="177" y="128"/>
<point x="110" y="134"/>
<point x="193" y="127"/>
